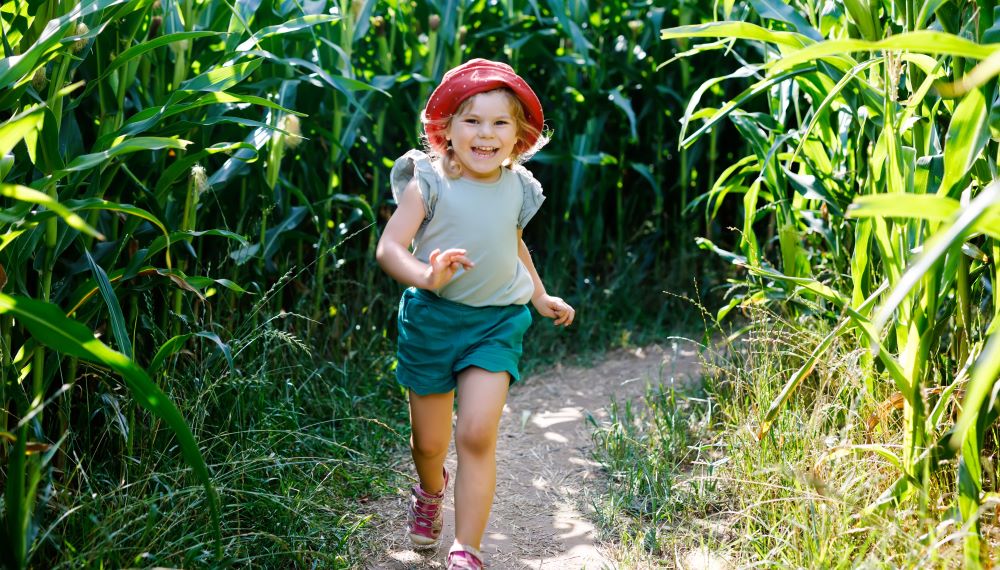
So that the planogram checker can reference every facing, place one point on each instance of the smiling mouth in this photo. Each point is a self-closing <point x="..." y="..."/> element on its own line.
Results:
<point x="484" y="151"/>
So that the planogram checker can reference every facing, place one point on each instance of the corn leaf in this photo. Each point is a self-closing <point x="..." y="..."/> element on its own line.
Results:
<point x="934" y="251"/>
<point x="15" y="129"/>
<point x="928" y="42"/>
<point x="15" y="68"/>
<point x="221" y="78"/>
<point x="128" y="146"/>
<point x="118" y="328"/>
<point x="967" y="136"/>
<point x="51" y="327"/>
<point x="778" y="10"/>
<point x="286" y="28"/>
<point x="982" y="379"/>
<point x="25" y="194"/>
<point x="915" y="206"/>
<point x="736" y="30"/>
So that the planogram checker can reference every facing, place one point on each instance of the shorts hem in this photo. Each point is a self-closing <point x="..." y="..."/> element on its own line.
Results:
<point x="426" y="389"/>
<point x="490" y="366"/>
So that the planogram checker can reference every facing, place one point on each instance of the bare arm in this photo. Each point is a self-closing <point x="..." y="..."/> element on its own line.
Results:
<point x="545" y="304"/>
<point x="393" y="250"/>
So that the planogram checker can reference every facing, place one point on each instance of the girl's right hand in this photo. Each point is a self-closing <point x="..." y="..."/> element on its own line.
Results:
<point x="443" y="265"/>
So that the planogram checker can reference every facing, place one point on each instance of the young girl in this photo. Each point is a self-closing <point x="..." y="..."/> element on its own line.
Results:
<point x="470" y="276"/>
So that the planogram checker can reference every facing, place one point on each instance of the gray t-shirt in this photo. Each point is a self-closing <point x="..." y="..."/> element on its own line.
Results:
<point x="481" y="218"/>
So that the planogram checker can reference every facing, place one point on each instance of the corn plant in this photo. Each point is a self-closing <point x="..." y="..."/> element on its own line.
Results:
<point x="174" y="171"/>
<point x="881" y="205"/>
<point x="114" y="109"/>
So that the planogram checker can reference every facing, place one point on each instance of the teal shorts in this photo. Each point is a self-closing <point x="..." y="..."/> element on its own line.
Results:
<point x="439" y="338"/>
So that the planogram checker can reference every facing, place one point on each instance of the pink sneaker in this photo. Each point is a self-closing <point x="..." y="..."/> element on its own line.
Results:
<point x="426" y="516"/>
<point x="461" y="559"/>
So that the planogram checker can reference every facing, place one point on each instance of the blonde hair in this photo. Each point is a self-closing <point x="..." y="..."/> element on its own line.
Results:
<point x="525" y="131"/>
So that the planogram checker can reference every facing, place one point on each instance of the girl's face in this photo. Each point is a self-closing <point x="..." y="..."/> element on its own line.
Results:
<point x="483" y="135"/>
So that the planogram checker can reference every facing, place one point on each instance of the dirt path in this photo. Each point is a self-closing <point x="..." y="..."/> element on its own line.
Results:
<point x="541" y="518"/>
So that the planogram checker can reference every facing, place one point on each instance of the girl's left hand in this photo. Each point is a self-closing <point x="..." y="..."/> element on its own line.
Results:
<point x="554" y="308"/>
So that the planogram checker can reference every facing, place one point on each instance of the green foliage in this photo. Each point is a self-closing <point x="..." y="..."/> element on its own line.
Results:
<point x="179" y="177"/>
<point x="869" y="201"/>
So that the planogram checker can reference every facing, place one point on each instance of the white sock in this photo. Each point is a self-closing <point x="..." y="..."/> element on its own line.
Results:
<point x="459" y="546"/>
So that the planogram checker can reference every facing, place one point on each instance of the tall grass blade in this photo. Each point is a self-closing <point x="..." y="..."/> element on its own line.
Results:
<point x="172" y="346"/>
<point x="807" y="367"/>
<point x="115" y="316"/>
<point x="51" y="327"/>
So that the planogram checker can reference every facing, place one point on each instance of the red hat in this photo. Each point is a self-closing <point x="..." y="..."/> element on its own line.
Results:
<point x="473" y="77"/>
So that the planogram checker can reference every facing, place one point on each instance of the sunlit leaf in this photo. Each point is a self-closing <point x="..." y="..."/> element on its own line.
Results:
<point x="128" y="146"/>
<point x="968" y="133"/>
<point x="50" y="326"/>
<point x="26" y="194"/>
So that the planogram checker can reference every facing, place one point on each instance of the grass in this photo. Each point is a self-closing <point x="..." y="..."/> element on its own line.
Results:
<point x="299" y="433"/>
<point x="617" y="309"/>
<point x="174" y="205"/>
<point x="293" y="440"/>
<point x="687" y="473"/>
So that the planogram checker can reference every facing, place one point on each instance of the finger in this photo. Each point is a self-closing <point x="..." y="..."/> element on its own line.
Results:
<point x="559" y="315"/>
<point x="465" y="261"/>
<point x="457" y="256"/>
<point x="434" y="255"/>
<point x="454" y="252"/>
<point x="567" y="314"/>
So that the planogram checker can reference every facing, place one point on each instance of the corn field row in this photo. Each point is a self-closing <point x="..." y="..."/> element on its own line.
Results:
<point x="191" y="196"/>
<point x="193" y="187"/>
<point x="869" y="199"/>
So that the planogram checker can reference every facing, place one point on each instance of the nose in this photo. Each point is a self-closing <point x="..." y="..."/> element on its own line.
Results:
<point x="485" y="128"/>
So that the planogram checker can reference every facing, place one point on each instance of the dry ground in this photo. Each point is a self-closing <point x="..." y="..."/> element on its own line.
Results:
<point x="545" y="474"/>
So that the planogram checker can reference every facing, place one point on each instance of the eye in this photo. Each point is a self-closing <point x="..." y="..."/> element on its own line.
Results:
<point x="503" y="122"/>
<point x="471" y="121"/>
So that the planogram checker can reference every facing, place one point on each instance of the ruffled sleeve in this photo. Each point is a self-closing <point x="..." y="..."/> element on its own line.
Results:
<point x="416" y="164"/>
<point x="533" y="196"/>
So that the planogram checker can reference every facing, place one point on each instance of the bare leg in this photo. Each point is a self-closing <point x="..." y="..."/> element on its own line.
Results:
<point x="481" y="396"/>
<point x="430" y="420"/>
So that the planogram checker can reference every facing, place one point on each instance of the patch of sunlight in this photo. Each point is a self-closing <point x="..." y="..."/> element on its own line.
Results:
<point x="547" y="419"/>
<point x="406" y="556"/>
<point x="553" y="436"/>
<point x="703" y="559"/>
<point x="584" y="462"/>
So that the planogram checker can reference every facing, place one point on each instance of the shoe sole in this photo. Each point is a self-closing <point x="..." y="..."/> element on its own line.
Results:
<point x="420" y="542"/>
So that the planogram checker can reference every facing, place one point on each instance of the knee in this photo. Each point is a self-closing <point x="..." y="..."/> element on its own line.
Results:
<point x="428" y="445"/>
<point x="476" y="438"/>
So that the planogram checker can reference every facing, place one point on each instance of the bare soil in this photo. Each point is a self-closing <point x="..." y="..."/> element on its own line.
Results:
<point x="545" y="472"/>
